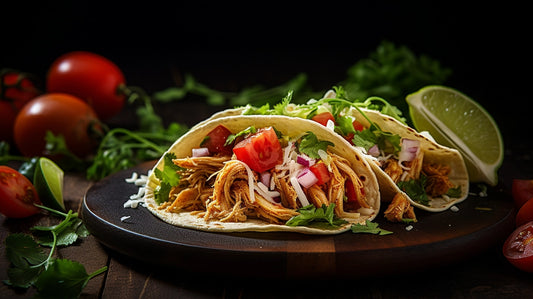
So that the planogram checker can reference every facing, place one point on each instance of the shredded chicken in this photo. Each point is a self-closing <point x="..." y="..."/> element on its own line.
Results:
<point x="400" y="209"/>
<point x="438" y="182"/>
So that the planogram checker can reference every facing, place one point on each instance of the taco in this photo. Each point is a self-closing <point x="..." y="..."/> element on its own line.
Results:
<point x="263" y="173"/>
<point x="412" y="169"/>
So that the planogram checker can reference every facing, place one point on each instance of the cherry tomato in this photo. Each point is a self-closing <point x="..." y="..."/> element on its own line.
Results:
<point x="16" y="89"/>
<point x="90" y="77"/>
<point x="525" y="214"/>
<point x="518" y="248"/>
<point x="320" y="170"/>
<point x="17" y="194"/>
<point x="322" y="118"/>
<point x="522" y="191"/>
<point x="261" y="151"/>
<point x="62" y="114"/>
<point x="215" y="140"/>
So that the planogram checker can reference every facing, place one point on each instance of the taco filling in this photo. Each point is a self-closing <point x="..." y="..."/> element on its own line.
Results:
<point x="259" y="174"/>
<point x="412" y="169"/>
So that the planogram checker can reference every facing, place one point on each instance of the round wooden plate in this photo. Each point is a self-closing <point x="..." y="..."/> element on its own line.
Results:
<point x="436" y="239"/>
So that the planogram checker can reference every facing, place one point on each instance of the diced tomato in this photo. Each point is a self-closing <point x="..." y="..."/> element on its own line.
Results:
<point x="358" y="127"/>
<point x="215" y="140"/>
<point x="350" y="191"/>
<point x="260" y="151"/>
<point x="320" y="170"/>
<point x="522" y="191"/>
<point x="322" y="118"/>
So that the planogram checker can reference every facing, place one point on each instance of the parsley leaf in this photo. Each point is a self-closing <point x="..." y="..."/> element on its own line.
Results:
<point x="310" y="145"/>
<point x="310" y="214"/>
<point x="369" y="228"/>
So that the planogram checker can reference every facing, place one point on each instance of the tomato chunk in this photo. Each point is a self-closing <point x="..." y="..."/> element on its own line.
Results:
<point x="320" y="170"/>
<point x="322" y="118"/>
<point x="216" y="139"/>
<point x="518" y="248"/>
<point x="260" y="151"/>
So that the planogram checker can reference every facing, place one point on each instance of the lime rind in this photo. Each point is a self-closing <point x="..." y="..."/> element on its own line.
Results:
<point x="48" y="180"/>
<point x="480" y="170"/>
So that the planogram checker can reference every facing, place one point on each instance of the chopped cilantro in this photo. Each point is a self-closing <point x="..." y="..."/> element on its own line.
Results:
<point x="232" y="137"/>
<point x="311" y="215"/>
<point x="416" y="189"/>
<point x="310" y="145"/>
<point x="168" y="178"/>
<point x="369" y="228"/>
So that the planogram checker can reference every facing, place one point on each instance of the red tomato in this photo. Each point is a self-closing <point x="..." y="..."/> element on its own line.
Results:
<point x="522" y="191"/>
<point x="16" y="89"/>
<point x="261" y="151"/>
<point x="90" y="77"/>
<point x="322" y="118"/>
<point x="17" y="194"/>
<point x="320" y="170"/>
<point x="525" y="214"/>
<point x="215" y="140"/>
<point x="518" y="248"/>
<point x="350" y="191"/>
<point x="62" y="114"/>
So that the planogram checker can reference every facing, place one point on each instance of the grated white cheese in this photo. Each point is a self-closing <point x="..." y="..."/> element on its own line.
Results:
<point x="454" y="209"/>
<point x="409" y="228"/>
<point x="124" y="218"/>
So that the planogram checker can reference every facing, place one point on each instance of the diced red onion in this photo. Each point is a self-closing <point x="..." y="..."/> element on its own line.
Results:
<point x="307" y="178"/>
<point x="374" y="151"/>
<point x="200" y="152"/>
<point x="265" y="178"/>
<point x="409" y="150"/>
<point x="305" y="160"/>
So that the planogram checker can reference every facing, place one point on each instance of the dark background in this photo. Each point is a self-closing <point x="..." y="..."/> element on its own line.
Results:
<point x="233" y="46"/>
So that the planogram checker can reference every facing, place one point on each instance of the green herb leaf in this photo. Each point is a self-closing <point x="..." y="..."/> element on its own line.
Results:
<point x="311" y="215"/>
<point x="168" y="178"/>
<point x="64" y="279"/>
<point x="22" y="251"/>
<point x="416" y="189"/>
<point x="310" y="145"/>
<point x="369" y="228"/>
<point x="231" y="138"/>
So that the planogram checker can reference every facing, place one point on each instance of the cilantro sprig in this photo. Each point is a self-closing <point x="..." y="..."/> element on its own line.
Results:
<point x="323" y="217"/>
<point x="168" y="178"/>
<point x="310" y="145"/>
<point x="369" y="228"/>
<point x="31" y="266"/>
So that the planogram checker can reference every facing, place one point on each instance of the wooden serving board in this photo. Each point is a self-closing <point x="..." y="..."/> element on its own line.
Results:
<point x="437" y="239"/>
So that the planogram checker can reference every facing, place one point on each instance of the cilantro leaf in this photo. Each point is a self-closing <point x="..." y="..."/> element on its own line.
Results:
<point x="310" y="145"/>
<point x="168" y="178"/>
<point x="232" y="137"/>
<point x="416" y="189"/>
<point x="369" y="228"/>
<point x="310" y="214"/>
<point x="64" y="279"/>
<point x="22" y="250"/>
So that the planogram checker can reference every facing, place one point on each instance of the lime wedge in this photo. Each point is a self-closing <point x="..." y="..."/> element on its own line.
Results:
<point x="48" y="181"/>
<point x="457" y="121"/>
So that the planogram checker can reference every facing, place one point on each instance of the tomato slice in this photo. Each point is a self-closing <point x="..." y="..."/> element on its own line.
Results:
<point x="17" y="194"/>
<point x="320" y="170"/>
<point x="525" y="214"/>
<point x="322" y="118"/>
<point x="522" y="191"/>
<point x="260" y="151"/>
<point x="518" y="248"/>
<point x="215" y="140"/>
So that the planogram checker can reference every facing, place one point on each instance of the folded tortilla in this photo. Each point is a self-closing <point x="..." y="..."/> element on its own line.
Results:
<point x="432" y="153"/>
<point x="288" y="126"/>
